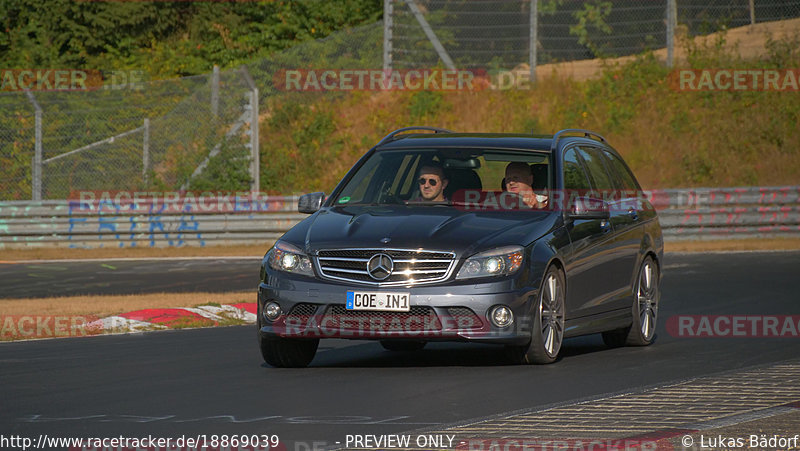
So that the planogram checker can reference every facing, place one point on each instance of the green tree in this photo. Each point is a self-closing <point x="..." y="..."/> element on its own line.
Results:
<point x="166" y="39"/>
<point x="65" y="33"/>
<point x="591" y="22"/>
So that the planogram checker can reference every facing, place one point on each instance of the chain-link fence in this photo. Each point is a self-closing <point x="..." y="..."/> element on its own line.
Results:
<point x="192" y="133"/>
<point x="129" y="136"/>
<point x="469" y="33"/>
<point x="17" y="141"/>
<point x="506" y="33"/>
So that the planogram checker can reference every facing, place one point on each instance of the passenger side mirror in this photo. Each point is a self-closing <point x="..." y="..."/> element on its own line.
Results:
<point x="310" y="203"/>
<point x="589" y="208"/>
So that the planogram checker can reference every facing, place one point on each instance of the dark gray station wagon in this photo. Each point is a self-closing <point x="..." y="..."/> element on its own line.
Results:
<point x="515" y="240"/>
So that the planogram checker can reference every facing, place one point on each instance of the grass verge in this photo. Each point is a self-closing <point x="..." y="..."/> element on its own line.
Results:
<point x="254" y="250"/>
<point x="766" y="244"/>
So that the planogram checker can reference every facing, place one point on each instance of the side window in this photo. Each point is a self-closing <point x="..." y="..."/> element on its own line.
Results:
<point x="597" y="169"/>
<point x="574" y="176"/>
<point x="622" y="174"/>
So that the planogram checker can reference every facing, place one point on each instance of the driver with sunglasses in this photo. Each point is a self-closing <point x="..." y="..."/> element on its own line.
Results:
<point x="432" y="183"/>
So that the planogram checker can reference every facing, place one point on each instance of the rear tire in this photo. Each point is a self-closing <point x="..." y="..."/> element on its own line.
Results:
<point x="403" y="345"/>
<point x="644" y="311"/>
<point x="547" y="332"/>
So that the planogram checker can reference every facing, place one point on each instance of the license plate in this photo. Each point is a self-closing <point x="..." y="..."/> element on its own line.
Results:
<point x="378" y="301"/>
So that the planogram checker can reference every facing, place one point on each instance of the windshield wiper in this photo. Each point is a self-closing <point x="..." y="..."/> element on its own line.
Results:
<point x="428" y="202"/>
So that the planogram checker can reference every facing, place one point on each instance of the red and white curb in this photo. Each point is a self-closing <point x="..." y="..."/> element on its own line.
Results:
<point x="170" y="318"/>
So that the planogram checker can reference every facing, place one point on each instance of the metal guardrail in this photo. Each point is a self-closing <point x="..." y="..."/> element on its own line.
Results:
<point x="685" y="214"/>
<point x="728" y="213"/>
<point x="160" y="223"/>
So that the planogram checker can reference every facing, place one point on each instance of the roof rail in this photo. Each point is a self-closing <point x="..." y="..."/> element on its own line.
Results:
<point x="586" y="133"/>
<point x="391" y="136"/>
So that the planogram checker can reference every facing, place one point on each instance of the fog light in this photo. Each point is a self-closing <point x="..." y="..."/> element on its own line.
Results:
<point x="272" y="311"/>
<point x="501" y="316"/>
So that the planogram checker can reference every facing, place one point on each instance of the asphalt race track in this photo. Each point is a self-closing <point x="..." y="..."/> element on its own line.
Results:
<point x="213" y="381"/>
<point x="122" y="276"/>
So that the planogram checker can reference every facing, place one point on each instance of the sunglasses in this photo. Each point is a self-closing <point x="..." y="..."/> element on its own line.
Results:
<point x="422" y="181"/>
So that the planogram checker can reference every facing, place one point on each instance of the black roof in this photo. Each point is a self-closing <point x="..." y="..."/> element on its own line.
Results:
<point x="466" y="140"/>
<point x="405" y="138"/>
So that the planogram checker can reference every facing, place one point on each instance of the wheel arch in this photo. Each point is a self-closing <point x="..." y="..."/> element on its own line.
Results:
<point x="544" y="255"/>
<point x="648" y="248"/>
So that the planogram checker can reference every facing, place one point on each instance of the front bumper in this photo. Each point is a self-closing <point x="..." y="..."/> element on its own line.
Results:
<point x="438" y="311"/>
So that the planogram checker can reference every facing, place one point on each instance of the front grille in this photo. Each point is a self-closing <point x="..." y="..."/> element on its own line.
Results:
<point x="418" y="319"/>
<point x="410" y="266"/>
<point x="464" y="318"/>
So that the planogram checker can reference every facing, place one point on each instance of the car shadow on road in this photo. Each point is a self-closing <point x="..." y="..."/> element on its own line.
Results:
<point x="369" y="354"/>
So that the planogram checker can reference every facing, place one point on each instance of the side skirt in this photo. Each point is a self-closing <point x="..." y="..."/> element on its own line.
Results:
<point x="593" y="324"/>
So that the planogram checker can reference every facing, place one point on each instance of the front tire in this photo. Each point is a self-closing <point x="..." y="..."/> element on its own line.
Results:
<point x="548" y="323"/>
<point x="644" y="311"/>
<point x="288" y="353"/>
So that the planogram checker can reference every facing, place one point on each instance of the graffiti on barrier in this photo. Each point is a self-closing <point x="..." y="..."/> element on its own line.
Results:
<point x="114" y="223"/>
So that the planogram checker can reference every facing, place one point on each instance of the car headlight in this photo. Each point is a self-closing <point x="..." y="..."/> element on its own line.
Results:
<point x="496" y="262"/>
<point x="288" y="258"/>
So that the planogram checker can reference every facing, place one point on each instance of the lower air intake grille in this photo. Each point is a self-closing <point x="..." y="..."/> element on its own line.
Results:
<point x="418" y="319"/>
<point x="301" y="313"/>
<point x="303" y="310"/>
<point x="463" y="318"/>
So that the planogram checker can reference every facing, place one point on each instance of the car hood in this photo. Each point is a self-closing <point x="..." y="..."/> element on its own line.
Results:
<point x="429" y="227"/>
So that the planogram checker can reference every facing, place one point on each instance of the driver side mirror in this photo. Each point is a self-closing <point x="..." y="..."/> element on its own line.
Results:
<point x="310" y="203"/>
<point x="589" y="208"/>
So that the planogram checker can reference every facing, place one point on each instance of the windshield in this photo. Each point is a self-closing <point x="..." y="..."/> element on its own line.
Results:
<point x="447" y="176"/>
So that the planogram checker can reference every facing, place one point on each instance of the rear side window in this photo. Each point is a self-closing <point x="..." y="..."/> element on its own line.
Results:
<point x="597" y="169"/>
<point x="623" y="177"/>
<point x="574" y="176"/>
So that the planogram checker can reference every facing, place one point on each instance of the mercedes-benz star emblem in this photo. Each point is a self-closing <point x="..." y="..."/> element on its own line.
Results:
<point x="380" y="266"/>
